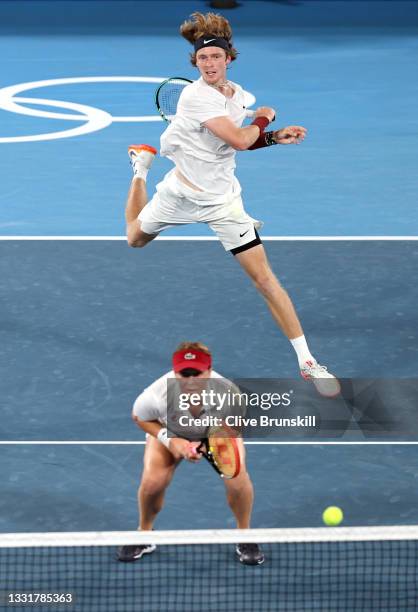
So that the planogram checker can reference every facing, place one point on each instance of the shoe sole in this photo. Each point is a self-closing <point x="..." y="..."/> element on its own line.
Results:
<point x="330" y="396"/>
<point x="256" y="563"/>
<point x="142" y="147"/>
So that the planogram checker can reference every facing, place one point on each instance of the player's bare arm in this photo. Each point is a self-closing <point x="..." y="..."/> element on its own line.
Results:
<point x="179" y="447"/>
<point x="238" y="138"/>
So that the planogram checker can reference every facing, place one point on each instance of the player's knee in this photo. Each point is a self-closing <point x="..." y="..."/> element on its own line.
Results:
<point x="135" y="236"/>
<point x="151" y="503"/>
<point x="242" y="480"/>
<point x="239" y="487"/>
<point x="265" y="281"/>
<point x="153" y="487"/>
<point x="136" y="242"/>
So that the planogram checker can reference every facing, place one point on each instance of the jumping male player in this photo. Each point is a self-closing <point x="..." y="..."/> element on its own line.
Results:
<point x="202" y="141"/>
<point x="192" y="365"/>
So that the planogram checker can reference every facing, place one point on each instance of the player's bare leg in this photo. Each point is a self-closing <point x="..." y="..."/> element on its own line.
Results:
<point x="159" y="467"/>
<point x="137" y="198"/>
<point x="240" y="492"/>
<point x="141" y="159"/>
<point x="255" y="263"/>
<point x="240" y="496"/>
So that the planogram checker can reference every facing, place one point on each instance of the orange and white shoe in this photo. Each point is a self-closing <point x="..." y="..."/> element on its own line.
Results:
<point x="141" y="157"/>
<point x="325" y="383"/>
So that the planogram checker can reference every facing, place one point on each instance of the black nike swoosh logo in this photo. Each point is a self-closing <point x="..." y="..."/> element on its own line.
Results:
<point x="241" y="235"/>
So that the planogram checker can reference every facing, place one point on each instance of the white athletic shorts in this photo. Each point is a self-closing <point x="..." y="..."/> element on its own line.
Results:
<point x="174" y="204"/>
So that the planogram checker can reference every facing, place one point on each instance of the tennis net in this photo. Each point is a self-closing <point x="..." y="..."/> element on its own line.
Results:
<point x="326" y="569"/>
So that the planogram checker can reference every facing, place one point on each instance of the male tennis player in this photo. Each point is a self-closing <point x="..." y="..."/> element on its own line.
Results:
<point x="202" y="141"/>
<point x="192" y="367"/>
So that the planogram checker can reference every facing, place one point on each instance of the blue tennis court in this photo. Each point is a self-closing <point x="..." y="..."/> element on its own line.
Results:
<point x="87" y="324"/>
<point x="73" y="366"/>
<point x="345" y="70"/>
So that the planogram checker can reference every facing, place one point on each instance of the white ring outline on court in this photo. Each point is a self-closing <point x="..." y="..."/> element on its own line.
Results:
<point x="95" y="119"/>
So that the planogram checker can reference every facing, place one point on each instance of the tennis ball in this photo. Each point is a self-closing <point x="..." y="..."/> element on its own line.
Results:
<point x="332" y="515"/>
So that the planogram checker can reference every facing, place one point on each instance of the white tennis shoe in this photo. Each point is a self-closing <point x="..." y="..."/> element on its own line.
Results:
<point x="325" y="383"/>
<point x="141" y="157"/>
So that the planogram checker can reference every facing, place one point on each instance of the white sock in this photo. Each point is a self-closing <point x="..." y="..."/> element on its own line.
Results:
<point x="142" y="163"/>
<point x="301" y="348"/>
<point x="140" y="171"/>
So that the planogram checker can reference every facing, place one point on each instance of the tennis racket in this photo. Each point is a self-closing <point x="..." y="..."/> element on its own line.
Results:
<point x="220" y="448"/>
<point x="167" y="96"/>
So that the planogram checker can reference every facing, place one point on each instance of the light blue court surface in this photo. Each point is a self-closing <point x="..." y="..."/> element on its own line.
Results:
<point x="345" y="70"/>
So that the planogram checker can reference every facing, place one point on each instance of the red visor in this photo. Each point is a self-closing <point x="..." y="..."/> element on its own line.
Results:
<point x="190" y="358"/>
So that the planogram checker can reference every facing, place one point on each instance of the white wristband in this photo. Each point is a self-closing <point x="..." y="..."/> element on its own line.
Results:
<point x="163" y="437"/>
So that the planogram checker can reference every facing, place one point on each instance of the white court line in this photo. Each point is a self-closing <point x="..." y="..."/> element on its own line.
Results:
<point x="142" y="443"/>
<point x="212" y="238"/>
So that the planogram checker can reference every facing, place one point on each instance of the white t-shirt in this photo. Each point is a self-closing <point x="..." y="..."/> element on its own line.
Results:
<point x="204" y="159"/>
<point x="152" y="404"/>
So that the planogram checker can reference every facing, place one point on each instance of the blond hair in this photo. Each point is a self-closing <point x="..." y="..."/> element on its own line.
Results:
<point x="210" y="24"/>
<point x="193" y="346"/>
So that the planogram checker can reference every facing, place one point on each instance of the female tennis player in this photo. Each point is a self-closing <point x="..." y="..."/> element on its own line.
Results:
<point x="192" y="367"/>
<point x="202" y="141"/>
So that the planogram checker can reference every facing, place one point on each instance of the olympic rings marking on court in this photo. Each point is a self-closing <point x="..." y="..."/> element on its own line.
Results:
<point x="94" y="118"/>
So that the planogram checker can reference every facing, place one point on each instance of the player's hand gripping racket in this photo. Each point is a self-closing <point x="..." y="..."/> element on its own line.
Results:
<point x="168" y="94"/>
<point x="220" y="448"/>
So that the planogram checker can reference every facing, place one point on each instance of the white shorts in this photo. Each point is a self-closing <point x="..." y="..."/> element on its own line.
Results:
<point x="174" y="204"/>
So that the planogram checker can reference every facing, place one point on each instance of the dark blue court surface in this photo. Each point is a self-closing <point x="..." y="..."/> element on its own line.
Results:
<point x="89" y="488"/>
<point x="87" y="325"/>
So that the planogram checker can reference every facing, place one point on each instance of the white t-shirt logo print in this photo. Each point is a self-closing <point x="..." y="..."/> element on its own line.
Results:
<point x="205" y="42"/>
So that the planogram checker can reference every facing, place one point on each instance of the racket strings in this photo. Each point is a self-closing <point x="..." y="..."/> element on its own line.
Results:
<point x="225" y="455"/>
<point x="168" y="96"/>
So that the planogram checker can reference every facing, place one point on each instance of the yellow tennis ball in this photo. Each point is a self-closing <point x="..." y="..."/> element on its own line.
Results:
<point x="332" y="516"/>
